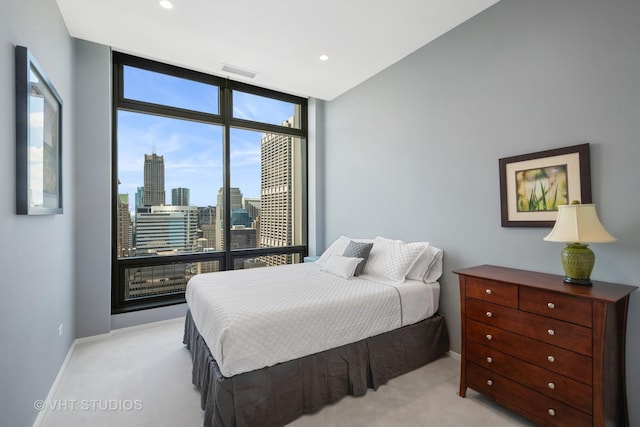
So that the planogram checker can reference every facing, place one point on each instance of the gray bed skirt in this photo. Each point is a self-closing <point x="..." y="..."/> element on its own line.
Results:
<point x="277" y="395"/>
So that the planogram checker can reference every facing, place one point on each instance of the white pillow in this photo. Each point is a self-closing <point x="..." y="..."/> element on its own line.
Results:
<point x="419" y="268"/>
<point x="435" y="269"/>
<point x="391" y="260"/>
<point x="337" y="248"/>
<point x="341" y="266"/>
<point x="428" y="266"/>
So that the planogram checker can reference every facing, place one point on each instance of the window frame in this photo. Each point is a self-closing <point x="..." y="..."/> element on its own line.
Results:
<point x="224" y="119"/>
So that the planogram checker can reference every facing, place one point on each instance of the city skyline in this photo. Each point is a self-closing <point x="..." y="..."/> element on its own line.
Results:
<point x="165" y="230"/>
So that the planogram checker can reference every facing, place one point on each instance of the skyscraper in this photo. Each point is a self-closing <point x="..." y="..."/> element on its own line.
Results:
<point x="166" y="229"/>
<point x="180" y="196"/>
<point x="207" y="226"/>
<point x="236" y="203"/>
<point x="125" y="232"/>
<point x="252" y="206"/>
<point x="280" y="203"/>
<point x="139" y="193"/>
<point x="153" y="194"/>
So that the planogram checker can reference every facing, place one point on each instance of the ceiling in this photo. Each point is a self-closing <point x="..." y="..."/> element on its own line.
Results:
<point x="279" y="40"/>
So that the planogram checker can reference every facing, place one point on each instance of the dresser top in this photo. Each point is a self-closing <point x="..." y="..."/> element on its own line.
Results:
<point x="599" y="290"/>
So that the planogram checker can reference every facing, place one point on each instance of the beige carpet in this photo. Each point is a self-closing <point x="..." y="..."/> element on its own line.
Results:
<point x="142" y="377"/>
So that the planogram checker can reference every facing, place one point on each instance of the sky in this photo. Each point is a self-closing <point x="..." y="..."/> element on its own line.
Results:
<point x="192" y="151"/>
<point x="42" y="130"/>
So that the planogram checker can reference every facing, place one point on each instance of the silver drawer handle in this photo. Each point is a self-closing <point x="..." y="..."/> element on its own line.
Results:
<point x="551" y="305"/>
<point x="551" y="412"/>
<point x="487" y="291"/>
<point x="551" y="359"/>
<point x="551" y="386"/>
<point x="489" y="314"/>
<point x="489" y="360"/>
<point x="489" y="337"/>
<point x="551" y="332"/>
<point x="489" y="382"/>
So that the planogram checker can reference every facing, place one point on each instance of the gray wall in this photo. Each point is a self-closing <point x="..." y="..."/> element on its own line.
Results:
<point x="413" y="152"/>
<point x="93" y="188"/>
<point x="316" y="168"/>
<point x="37" y="253"/>
<point x="93" y="199"/>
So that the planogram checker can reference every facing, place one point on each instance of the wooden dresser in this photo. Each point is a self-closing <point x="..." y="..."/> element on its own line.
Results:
<point x="552" y="352"/>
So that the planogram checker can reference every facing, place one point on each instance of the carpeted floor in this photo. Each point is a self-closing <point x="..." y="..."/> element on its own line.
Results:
<point x="142" y="377"/>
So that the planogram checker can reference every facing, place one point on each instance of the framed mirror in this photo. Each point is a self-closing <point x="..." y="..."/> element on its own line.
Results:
<point x="38" y="139"/>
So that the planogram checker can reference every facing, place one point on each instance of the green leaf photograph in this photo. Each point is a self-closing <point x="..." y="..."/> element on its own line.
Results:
<point x="541" y="189"/>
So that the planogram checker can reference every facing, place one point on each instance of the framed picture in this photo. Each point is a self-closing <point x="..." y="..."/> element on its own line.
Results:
<point x="38" y="139"/>
<point x="532" y="186"/>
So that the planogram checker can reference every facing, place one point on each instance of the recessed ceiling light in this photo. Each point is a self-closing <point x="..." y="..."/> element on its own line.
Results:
<point x="166" y="4"/>
<point x="324" y="57"/>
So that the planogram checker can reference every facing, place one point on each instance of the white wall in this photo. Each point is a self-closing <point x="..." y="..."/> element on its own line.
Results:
<point x="37" y="252"/>
<point x="413" y="152"/>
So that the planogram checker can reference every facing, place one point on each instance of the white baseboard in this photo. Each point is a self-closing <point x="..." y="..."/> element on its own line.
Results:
<point x="54" y="387"/>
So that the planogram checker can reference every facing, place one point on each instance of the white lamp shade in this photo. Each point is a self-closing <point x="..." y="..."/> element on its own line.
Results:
<point x="578" y="224"/>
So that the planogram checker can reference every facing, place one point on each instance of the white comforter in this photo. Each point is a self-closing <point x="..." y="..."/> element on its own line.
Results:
<point x="259" y="317"/>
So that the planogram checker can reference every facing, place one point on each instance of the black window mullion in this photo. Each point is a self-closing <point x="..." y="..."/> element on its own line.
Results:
<point x="227" y="109"/>
<point x="265" y="127"/>
<point x="168" y="111"/>
<point x="117" y="275"/>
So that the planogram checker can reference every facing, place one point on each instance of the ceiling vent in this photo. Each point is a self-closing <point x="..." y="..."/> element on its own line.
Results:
<point x="238" y="71"/>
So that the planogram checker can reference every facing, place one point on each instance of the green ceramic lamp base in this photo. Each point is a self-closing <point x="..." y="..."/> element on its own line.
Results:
<point x="577" y="261"/>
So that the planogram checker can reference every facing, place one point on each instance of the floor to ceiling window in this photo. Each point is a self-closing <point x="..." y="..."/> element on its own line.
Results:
<point x="209" y="174"/>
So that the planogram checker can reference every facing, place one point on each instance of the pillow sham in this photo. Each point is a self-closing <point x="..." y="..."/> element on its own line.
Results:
<point x="429" y="260"/>
<point x="435" y="268"/>
<point x="335" y="248"/>
<point x="341" y="266"/>
<point x="391" y="260"/>
<point x="358" y="250"/>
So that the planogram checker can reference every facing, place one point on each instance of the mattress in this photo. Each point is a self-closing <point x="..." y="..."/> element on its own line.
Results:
<point x="254" y="318"/>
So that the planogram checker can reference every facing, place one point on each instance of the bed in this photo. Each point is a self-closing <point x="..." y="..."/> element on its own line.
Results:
<point x="270" y="344"/>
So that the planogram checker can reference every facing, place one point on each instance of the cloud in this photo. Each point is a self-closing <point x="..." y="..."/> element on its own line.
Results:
<point x="260" y="109"/>
<point x="36" y="120"/>
<point x="36" y="176"/>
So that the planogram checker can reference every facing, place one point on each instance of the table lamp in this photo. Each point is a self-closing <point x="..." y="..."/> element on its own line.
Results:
<point x="578" y="225"/>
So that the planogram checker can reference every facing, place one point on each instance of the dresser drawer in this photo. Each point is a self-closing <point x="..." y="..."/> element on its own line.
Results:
<point x="495" y="292"/>
<point x="558" y="306"/>
<point x="547" y="382"/>
<point x="557" y="332"/>
<point x="543" y="409"/>
<point x="556" y="359"/>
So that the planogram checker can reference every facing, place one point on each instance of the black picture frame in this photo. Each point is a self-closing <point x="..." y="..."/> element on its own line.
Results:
<point x="38" y="139"/>
<point x="563" y="174"/>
